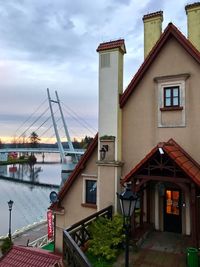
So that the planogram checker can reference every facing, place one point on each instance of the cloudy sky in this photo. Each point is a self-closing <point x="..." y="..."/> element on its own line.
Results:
<point x="52" y="44"/>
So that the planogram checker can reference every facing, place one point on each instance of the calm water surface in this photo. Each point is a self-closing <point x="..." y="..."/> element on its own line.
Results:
<point x="30" y="202"/>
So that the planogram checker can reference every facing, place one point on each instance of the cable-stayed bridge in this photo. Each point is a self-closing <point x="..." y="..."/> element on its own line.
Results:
<point x="49" y="122"/>
<point x="41" y="150"/>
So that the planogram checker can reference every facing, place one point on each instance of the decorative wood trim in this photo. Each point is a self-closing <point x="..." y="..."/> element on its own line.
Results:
<point x="148" y="205"/>
<point x="171" y="108"/>
<point x="89" y="205"/>
<point x="162" y="178"/>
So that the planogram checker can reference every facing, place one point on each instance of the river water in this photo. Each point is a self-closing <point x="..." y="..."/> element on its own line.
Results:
<point x="28" y="191"/>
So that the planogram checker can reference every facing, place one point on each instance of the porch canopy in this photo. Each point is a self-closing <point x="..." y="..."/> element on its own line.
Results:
<point x="172" y="162"/>
<point x="169" y="165"/>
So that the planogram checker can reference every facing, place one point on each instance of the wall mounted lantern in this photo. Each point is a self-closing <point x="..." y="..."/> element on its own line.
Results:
<point x="103" y="151"/>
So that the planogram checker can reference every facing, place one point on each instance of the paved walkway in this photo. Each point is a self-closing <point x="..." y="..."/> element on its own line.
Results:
<point x="31" y="235"/>
<point x="152" y="258"/>
<point x="160" y="249"/>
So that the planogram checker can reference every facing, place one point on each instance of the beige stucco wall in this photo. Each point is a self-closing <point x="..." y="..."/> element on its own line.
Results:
<point x="106" y="186"/>
<point x="140" y="114"/>
<point x="73" y="210"/>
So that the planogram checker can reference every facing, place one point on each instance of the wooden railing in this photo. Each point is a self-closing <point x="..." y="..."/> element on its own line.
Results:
<point x="76" y="236"/>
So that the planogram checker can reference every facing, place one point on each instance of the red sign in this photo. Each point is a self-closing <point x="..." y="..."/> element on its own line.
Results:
<point x="50" y="224"/>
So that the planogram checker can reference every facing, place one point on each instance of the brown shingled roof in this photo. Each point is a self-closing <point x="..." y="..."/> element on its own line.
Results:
<point x="79" y="167"/>
<point x="185" y="162"/>
<point x="170" y="31"/>
<point x="28" y="257"/>
<point x="112" y="45"/>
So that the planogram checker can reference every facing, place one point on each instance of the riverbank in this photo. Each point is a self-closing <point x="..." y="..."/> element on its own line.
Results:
<point x="16" y="180"/>
<point x="13" y="162"/>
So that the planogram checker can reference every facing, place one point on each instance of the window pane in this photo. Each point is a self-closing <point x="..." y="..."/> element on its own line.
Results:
<point x="175" y="101"/>
<point x="175" y="92"/>
<point x="167" y="102"/>
<point x="167" y="92"/>
<point x="91" y="190"/>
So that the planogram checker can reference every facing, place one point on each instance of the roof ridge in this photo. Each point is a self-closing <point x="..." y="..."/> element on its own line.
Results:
<point x="171" y="29"/>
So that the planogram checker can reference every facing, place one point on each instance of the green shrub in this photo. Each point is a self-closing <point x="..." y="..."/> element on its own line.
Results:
<point x="106" y="237"/>
<point x="7" y="244"/>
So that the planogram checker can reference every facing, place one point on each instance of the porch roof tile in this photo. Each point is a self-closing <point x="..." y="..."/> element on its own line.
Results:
<point x="185" y="162"/>
<point x="23" y="257"/>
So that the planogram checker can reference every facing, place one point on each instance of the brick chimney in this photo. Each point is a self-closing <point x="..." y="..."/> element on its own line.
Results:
<point x="152" y="30"/>
<point x="193" y="23"/>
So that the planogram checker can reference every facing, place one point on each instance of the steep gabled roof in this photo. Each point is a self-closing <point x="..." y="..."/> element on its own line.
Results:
<point x="79" y="167"/>
<point x="185" y="162"/>
<point x="170" y="31"/>
<point x="26" y="256"/>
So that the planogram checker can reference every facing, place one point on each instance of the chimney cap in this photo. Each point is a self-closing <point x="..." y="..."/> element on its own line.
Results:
<point x="190" y="6"/>
<point x="153" y="15"/>
<point x="120" y="43"/>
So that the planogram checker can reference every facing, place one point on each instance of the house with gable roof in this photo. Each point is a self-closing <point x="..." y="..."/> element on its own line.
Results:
<point x="149" y="134"/>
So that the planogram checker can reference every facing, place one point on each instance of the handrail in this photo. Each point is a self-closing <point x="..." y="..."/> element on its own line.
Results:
<point x="76" y="236"/>
<point x="72" y="254"/>
<point x="107" y="211"/>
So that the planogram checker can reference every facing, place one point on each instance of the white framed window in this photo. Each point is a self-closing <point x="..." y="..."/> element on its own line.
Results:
<point x="171" y="92"/>
<point x="89" y="190"/>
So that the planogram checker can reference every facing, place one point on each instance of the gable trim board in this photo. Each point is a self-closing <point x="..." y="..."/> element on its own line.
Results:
<point x="170" y="31"/>
<point x="80" y="166"/>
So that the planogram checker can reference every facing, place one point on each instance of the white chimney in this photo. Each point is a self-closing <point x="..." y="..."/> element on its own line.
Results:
<point x="110" y="87"/>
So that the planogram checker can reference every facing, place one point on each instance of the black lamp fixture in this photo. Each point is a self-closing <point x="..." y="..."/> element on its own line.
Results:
<point x="10" y="204"/>
<point x="127" y="201"/>
<point x="103" y="151"/>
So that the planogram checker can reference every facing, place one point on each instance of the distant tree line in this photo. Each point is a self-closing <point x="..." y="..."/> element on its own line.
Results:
<point x="34" y="141"/>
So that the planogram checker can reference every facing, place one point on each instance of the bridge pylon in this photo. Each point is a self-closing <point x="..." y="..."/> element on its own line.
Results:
<point x="68" y="161"/>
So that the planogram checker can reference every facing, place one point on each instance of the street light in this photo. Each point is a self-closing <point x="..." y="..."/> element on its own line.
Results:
<point x="127" y="201"/>
<point x="10" y="204"/>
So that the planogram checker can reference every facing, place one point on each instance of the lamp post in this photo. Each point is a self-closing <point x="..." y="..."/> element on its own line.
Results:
<point x="10" y="204"/>
<point x="127" y="201"/>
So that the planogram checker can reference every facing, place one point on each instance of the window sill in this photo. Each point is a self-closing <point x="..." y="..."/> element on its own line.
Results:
<point x="171" y="108"/>
<point x="89" y="205"/>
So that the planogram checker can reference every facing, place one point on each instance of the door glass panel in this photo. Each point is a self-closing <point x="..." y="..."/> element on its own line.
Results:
<point x="172" y="202"/>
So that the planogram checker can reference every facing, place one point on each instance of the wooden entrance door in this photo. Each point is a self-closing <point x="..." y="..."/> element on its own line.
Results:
<point x="172" y="211"/>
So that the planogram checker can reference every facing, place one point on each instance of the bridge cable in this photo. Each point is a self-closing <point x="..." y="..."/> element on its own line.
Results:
<point x="34" y="122"/>
<point x="31" y="115"/>
<point x="76" y="115"/>
<point x="83" y="123"/>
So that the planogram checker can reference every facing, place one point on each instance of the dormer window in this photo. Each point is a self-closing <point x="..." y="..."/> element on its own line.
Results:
<point x="171" y="96"/>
